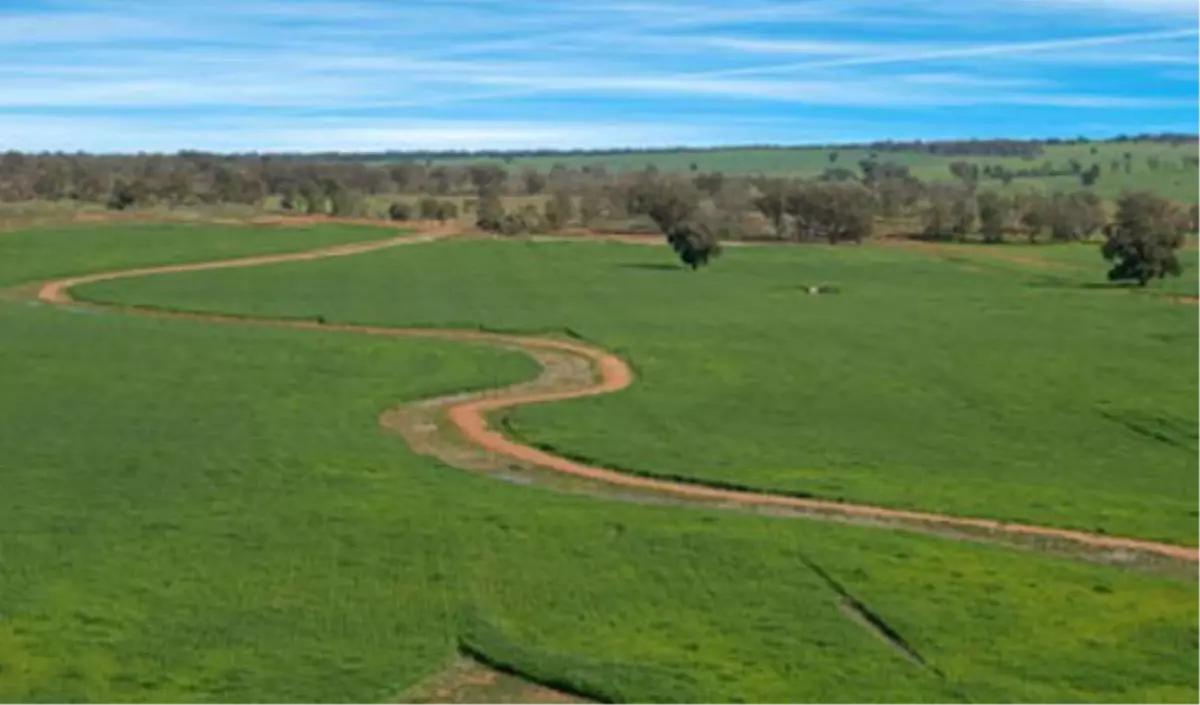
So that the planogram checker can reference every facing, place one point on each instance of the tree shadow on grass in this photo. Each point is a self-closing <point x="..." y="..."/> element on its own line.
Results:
<point x="651" y="266"/>
<point x="1074" y="284"/>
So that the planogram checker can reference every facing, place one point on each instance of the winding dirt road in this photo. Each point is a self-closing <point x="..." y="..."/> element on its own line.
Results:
<point x="572" y="370"/>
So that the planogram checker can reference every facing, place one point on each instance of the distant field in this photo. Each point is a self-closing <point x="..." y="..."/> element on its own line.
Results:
<point x="968" y="384"/>
<point x="211" y="513"/>
<point x="1171" y="179"/>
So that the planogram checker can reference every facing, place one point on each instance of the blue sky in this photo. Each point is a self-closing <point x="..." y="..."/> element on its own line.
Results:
<point x="365" y="75"/>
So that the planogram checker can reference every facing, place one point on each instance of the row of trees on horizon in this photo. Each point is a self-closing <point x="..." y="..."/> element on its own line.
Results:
<point x="695" y="210"/>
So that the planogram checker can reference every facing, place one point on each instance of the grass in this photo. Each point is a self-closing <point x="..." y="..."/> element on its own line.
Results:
<point x="196" y="512"/>
<point x="42" y="253"/>
<point x="971" y="388"/>
<point x="1172" y="179"/>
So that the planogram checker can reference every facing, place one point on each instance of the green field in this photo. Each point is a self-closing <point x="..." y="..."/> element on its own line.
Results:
<point x="974" y="386"/>
<point x="42" y="253"/>
<point x="198" y="512"/>
<point x="1172" y="179"/>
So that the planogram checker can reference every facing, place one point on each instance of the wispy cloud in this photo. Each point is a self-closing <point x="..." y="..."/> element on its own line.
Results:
<point x="1169" y="8"/>
<point x="513" y="72"/>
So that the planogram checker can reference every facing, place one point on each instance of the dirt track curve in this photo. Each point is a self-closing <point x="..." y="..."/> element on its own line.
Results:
<point x="572" y="370"/>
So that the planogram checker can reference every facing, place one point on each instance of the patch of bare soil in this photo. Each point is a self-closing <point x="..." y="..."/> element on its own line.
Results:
<point x="468" y="681"/>
<point x="457" y="429"/>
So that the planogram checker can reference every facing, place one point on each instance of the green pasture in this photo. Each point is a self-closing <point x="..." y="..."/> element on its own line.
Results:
<point x="961" y="383"/>
<point x="44" y="253"/>
<point x="201" y="512"/>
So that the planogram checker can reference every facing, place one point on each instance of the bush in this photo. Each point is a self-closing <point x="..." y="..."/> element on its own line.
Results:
<point x="429" y="208"/>
<point x="121" y="198"/>
<point x="522" y="222"/>
<point x="446" y="210"/>
<point x="400" y="211"/>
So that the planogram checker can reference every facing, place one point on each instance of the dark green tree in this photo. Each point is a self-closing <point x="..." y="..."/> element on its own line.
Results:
<point x="1143" y="238"/>
<point x="695" y="242"/>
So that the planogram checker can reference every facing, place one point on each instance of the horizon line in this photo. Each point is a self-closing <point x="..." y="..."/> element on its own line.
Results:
<point x="599" y="151"/>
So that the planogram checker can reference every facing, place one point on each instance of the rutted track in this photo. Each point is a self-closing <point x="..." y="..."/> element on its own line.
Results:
<point x="456" y="429"/>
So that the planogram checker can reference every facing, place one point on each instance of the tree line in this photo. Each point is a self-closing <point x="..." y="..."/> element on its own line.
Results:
<point x="972" y="147"/>
<point x="694" y="210"/>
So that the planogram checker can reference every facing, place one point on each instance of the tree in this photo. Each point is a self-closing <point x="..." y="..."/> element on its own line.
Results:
<point x="897" y="195"/>
<point x="695" y="241"/>
<point x="710" y="183"/>
<point x="874" y="172"/>
<point x="965" y="172"/>
<point x="122" y="197"/>
<point x="995" y="213"/>
<point x="1074" y="216"/>
<point x="560" y="210"/>
<point x="1089" y="177"/>
<point x="1142" y="239"/>
<point x="1032" y="210"/>
<point x="429" y="208"/>
<point x="314" y="197"/>
<point x="771" y="203"/>
<point x="346" y="202"/>
<point x="534" y="181"/>
<point x="446" y="210"/>
<point x="830" y="211"/>
<point x="528" y="219"/>
<point x="490" y="213"/>
<point x="593" y="206"/>
<point x="666" y="201"/>
<point x="951" y="212"/>
<point x="486" y="177"/>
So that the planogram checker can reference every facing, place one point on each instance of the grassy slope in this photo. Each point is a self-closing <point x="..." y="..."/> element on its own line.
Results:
<point x="195" y="512"/>
<point x="977" y="388"/>
<point x="1172" y="179"/>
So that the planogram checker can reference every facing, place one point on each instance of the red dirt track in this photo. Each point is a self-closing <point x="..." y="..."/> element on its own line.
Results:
<point x="612" y="374"/>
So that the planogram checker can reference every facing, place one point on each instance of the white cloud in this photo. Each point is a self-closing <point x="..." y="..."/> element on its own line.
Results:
<point x="106" y="134"/>
<point x="962" y="52"/>
<point x="73" y="28"/>
<point x="1177" y="8"/>
<point x="512" y="59"/>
